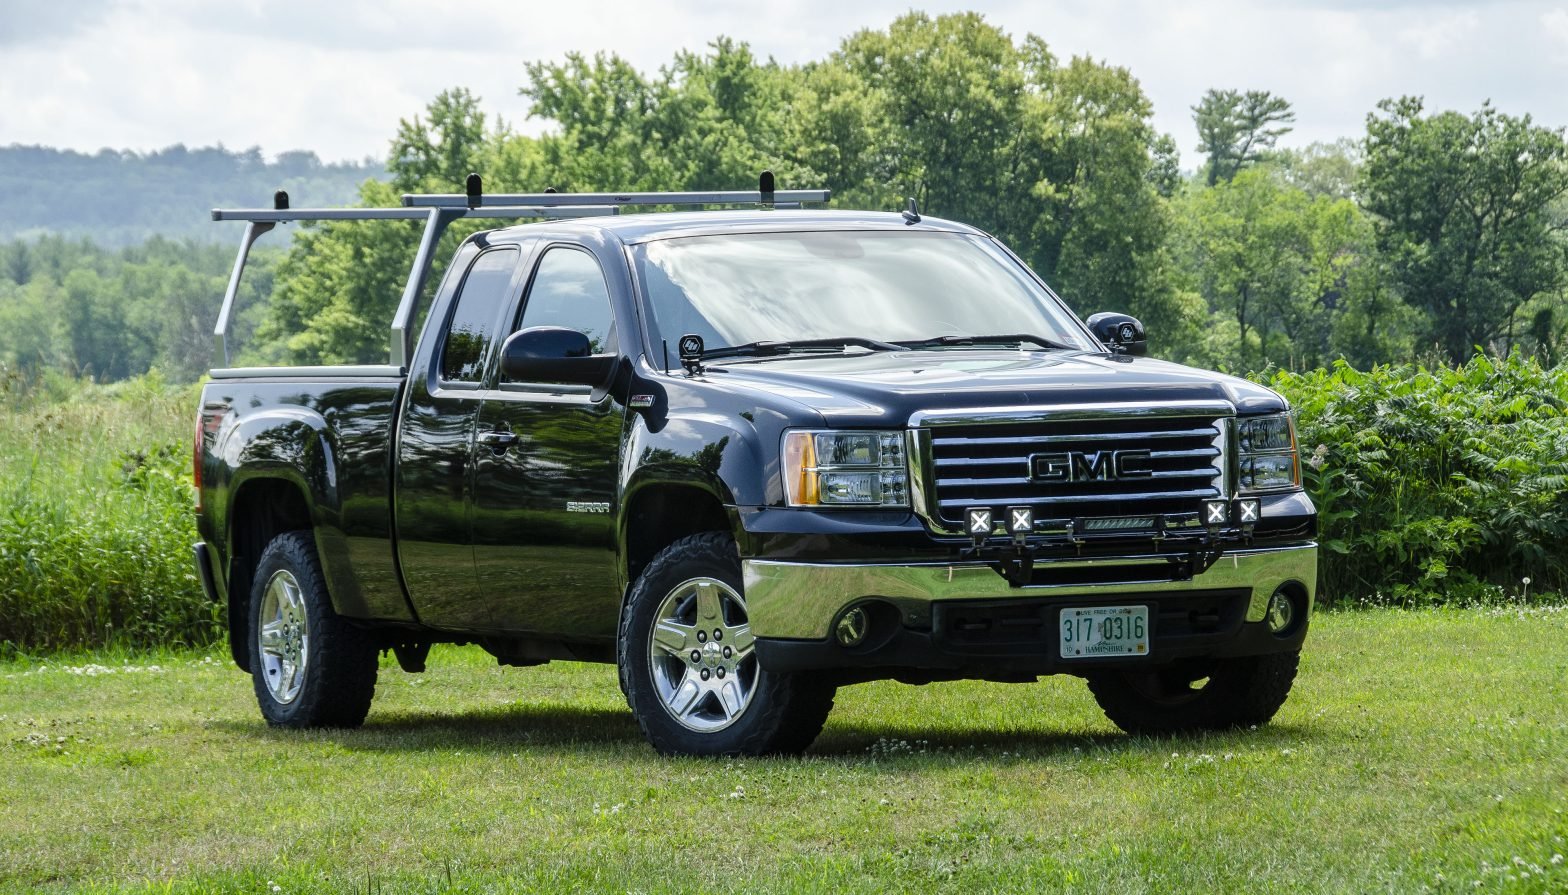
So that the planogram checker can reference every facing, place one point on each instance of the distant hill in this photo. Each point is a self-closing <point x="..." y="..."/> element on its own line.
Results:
<point x="120" y="198"/>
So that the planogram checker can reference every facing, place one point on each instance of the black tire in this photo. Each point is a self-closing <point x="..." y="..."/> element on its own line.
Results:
<point x="785" y="712"/>
<point x="1237" y="693"/>
<point x="337" y="678"/>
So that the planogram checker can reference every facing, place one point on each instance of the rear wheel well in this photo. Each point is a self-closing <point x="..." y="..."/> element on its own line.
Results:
<point x="262" y="510"/>
<point x="660" y="515"/>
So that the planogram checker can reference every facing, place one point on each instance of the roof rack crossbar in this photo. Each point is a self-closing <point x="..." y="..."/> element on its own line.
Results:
<point x="491" y="210"/>
<point x="557" y="200"/>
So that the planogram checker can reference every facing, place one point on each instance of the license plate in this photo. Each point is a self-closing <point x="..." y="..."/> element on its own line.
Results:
<point x="1089" y="633"/>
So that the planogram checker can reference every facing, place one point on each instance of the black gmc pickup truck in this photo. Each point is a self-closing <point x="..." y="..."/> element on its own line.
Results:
<point x="749" y="457"/>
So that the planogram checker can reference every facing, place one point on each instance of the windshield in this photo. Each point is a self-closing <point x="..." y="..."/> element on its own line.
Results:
<point x="890" y="286"/>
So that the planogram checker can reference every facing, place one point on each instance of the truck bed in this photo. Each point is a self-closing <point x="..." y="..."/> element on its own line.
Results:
<point x="328" y="431"/>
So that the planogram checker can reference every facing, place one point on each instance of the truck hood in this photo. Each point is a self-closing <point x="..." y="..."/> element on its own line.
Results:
<point x="885" y="388"/>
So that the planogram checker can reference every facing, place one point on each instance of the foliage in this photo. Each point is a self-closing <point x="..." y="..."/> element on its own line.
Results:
<point x="70" y="305"/>
<point x="1238" y="129"/>
<point x="1421" y="240"/>
<point x="119" y="199"/>
<point x="1467" y="218"/>
<point x="1322" y="169"/>
<point x="96" y="521"/>
<point x="1059" y="160"/>
<point x="1419" y="750"/>
<point x="1437" y="484"/>
<point x="1291" y="279"/>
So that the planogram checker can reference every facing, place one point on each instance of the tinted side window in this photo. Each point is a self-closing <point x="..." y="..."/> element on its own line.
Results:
<point x="484" y="292"/>
<point x="569" y="291"/>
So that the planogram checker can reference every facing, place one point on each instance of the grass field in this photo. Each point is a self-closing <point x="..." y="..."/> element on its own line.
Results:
<point x="1422" y="749"/>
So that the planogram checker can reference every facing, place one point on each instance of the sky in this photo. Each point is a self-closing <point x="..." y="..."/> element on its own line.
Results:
<point x="335" y="76"/>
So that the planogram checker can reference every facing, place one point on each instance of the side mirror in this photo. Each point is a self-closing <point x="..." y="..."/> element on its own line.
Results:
<point x="1120" y="333"/>
<point x="554" y="354"/>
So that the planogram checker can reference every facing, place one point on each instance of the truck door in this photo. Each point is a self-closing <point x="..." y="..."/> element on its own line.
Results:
<point x="545" y="489"/>
<point x="435" y="445"/>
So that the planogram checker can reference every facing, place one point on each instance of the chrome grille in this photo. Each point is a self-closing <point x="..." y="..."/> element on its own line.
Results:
<point x="984" y="463"/>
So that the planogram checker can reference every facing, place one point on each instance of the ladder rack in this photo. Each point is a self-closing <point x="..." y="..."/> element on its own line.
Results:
<point x="438" y="210"/>
<point x="560" y="200"/>
<point x="475" y="197"/>
<point x="258" y="221"/>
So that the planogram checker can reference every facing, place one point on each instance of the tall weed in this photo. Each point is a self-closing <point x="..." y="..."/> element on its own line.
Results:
<point x="96" y="523"/>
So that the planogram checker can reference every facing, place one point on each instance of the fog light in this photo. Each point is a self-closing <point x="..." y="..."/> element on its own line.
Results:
<point x="1281" y="614"/>
<point x="852" y="627"/>
<point x="979" y="522"/>
<point x="1248" y="512"/>
<point x="1215" y="514"/>
<point x="1020" y="521"/>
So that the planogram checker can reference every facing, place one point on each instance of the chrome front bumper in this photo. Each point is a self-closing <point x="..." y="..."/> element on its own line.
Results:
<point x="793" y="600"/>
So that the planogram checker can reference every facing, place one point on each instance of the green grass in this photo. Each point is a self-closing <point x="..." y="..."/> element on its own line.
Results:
<point x="1420" y="749"/>
<point x="96" y="517"/>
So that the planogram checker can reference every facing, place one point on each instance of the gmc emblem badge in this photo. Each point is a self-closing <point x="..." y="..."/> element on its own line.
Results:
<point x="1090" y="466"/>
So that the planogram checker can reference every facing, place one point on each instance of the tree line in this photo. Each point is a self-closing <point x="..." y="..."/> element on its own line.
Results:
<point x="1431" y="235"/>
<point x="71" y="306"/>
<point x="1423" y="239"/>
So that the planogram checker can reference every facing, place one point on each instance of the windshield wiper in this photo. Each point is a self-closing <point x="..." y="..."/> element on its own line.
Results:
<point x="1016" y="339"/>
<point x="765" y="348"/>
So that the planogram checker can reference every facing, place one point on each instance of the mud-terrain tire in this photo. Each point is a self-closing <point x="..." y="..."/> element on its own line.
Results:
<point x="310" y="667"/>
<point x="688" y="663"/>
<point x="1236" y="693"/>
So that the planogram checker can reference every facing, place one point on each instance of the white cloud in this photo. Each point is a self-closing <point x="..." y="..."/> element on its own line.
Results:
<point x="1555" y="21"/>
<point x="336" y="76"/>
<point x="1434" y="37"/>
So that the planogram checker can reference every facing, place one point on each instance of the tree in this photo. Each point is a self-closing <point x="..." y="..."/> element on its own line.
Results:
<point x="1100" y="234"/>
<point x="1058" y="160"/>
<point x="1465" y="220"/>
<point x="340" y="283"/>
<point x="1237" y="129"/>
<point x="441" y="150"/>
<point x="1323" y="169"/>
<point x="1292" y="279"/>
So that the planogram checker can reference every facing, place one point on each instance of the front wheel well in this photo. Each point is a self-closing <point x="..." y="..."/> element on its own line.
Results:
<point x="660" y="515"/>
<point x="262" y="510"/>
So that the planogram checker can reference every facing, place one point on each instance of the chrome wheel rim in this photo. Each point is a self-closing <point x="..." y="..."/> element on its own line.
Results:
<point x="702" y="655"/>
<point x="283" y="634"/>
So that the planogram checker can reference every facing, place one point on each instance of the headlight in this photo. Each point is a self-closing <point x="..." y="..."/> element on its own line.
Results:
<point x="1267" y="451"/>
<point x="865" y="469"/>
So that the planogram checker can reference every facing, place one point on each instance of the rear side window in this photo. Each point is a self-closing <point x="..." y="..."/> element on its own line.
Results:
<point x="569" y="291"/>
<point x="486" y="290"/>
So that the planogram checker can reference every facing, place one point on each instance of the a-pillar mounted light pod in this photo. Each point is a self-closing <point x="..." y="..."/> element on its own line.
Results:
<point x="1248" y="512"/>
<point x="1216" y="513"/>
<point x="979" y="522"/>
<point x="691" y="352"/>
<point x="1020" y="522"/>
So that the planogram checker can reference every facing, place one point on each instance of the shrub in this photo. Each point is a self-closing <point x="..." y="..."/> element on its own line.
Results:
<point x="1436" y="485"/>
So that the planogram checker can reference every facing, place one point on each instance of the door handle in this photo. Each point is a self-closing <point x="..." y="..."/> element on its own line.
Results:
<point x="498" y="440"/>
